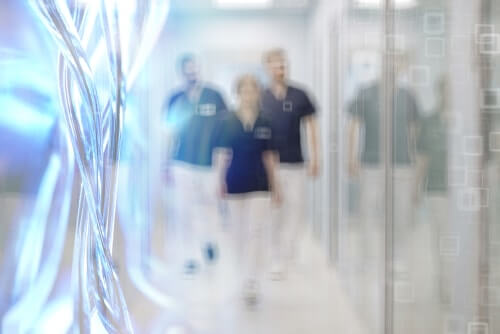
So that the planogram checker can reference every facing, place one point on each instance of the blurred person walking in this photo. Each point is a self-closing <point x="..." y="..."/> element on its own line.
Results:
<point x="366" y="162"/>
<point x="289" y="107"/>
<point x="194" y="114"/>
<point x="432" y="146"/>
<point x="246" y="165"/>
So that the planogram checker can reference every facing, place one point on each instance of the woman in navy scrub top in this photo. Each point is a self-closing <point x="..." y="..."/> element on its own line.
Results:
<point x="247" y="179"/>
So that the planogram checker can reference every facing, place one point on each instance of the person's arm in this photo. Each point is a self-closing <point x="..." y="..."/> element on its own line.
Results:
<point x="271" y="160"/>
<point x="313" y="142"/>
<point x="168" y="135"/>
<point x="168" y="128"/>
<point x="422" y="166"/>
<point x="353" y="145"/>
<point x="222" y="156"/>
<point x="222" y="159"/>
<point x="419" y="146"/>
<point x="421" y="159"/>
<point x="356" y="111"/>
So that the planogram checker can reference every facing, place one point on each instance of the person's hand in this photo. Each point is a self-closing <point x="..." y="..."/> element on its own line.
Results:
<point x="313" y="168"/>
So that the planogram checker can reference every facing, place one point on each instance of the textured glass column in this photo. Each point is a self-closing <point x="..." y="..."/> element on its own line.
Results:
<point x="102" y="45"/>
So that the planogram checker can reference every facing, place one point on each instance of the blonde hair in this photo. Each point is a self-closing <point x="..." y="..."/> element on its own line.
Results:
<point x="273" y="54"/>
<point x="246" y="78"/>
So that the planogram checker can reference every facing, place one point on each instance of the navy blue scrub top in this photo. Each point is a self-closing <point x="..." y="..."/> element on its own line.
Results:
<point x="196" y="125"/>
<point x="246" y="172"/>
<point x="285" y="116"/>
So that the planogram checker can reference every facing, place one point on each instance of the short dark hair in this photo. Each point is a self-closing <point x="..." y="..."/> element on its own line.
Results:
<point x="184" y="59"/>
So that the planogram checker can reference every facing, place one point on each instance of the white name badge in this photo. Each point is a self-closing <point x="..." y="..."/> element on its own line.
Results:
<point x="287" y="106"/>
<point x="207" y="109"/>
<point x="262" y="132"/>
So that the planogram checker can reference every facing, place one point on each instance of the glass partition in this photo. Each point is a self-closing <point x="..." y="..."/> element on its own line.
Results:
<point x="361" y="173"/>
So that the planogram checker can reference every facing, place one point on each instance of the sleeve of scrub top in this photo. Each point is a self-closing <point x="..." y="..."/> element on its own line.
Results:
<point x="223" y="136"/>
<point x="355" y="108"/>
<point x="309" y="108"/>
<point x="269" y="143"/>
<point x="221" y="105"/>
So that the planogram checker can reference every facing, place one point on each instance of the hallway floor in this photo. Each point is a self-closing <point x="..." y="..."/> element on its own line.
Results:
<point x="310" y="300"/>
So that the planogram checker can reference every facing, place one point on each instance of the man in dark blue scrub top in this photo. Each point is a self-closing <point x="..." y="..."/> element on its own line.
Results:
<point x="288" y="108"/>
<point x="193" y="116"/>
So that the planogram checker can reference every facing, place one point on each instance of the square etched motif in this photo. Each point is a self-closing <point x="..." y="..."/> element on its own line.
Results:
<point x="482" y="29"/>
<point x="449" y="246"/>
<point x="490" y="296"/>
<point x="477" y="328"/>
<point x="469" y="199"/>
<point x="434" y="47"/>
<point x="404" y="292"/>
<point x="473" y="145"/>
<point x="494" y="141"/>
<point x="434" y="23"/>
<point x="489" y="44"/>
<point x="453" y="324"/>
<point x="490" y="98"/>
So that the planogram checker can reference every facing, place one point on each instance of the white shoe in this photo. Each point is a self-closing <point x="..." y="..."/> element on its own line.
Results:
<point x="277" y="272"/>
<point x="251" y="294"/>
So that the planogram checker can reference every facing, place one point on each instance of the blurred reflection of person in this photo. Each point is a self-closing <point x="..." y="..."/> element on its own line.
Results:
<point x="193" y="115"/>
<point x="246" y="167"/>
<point x="432" y="146"/>
<point x="366" y="162"/>
<point x="288" y="108"/>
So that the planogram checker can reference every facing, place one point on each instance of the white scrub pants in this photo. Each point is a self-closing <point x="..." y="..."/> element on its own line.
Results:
<point x="371" y="233"/>
<point x="404" y="215"/>
<point x="372" y="202"/>
<point x="249" y="218"/>
<point x="289" y="219"/>
<point x="371" y="205"/>
<point x="195" y="208"/>
<point x="445" y="246"/>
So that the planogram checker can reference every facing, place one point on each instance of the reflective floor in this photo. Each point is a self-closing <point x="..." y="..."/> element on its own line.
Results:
<point x="311" y="299"/>
<point x="315" y="296"/>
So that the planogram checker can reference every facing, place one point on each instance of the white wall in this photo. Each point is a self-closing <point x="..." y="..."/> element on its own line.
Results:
<point x="322" y="25"/>
<point x="229" y="45"/>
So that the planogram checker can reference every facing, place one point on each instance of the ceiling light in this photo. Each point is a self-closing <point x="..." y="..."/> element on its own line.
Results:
<point x="375" y="4"/>
<point x="242" y="4"/>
